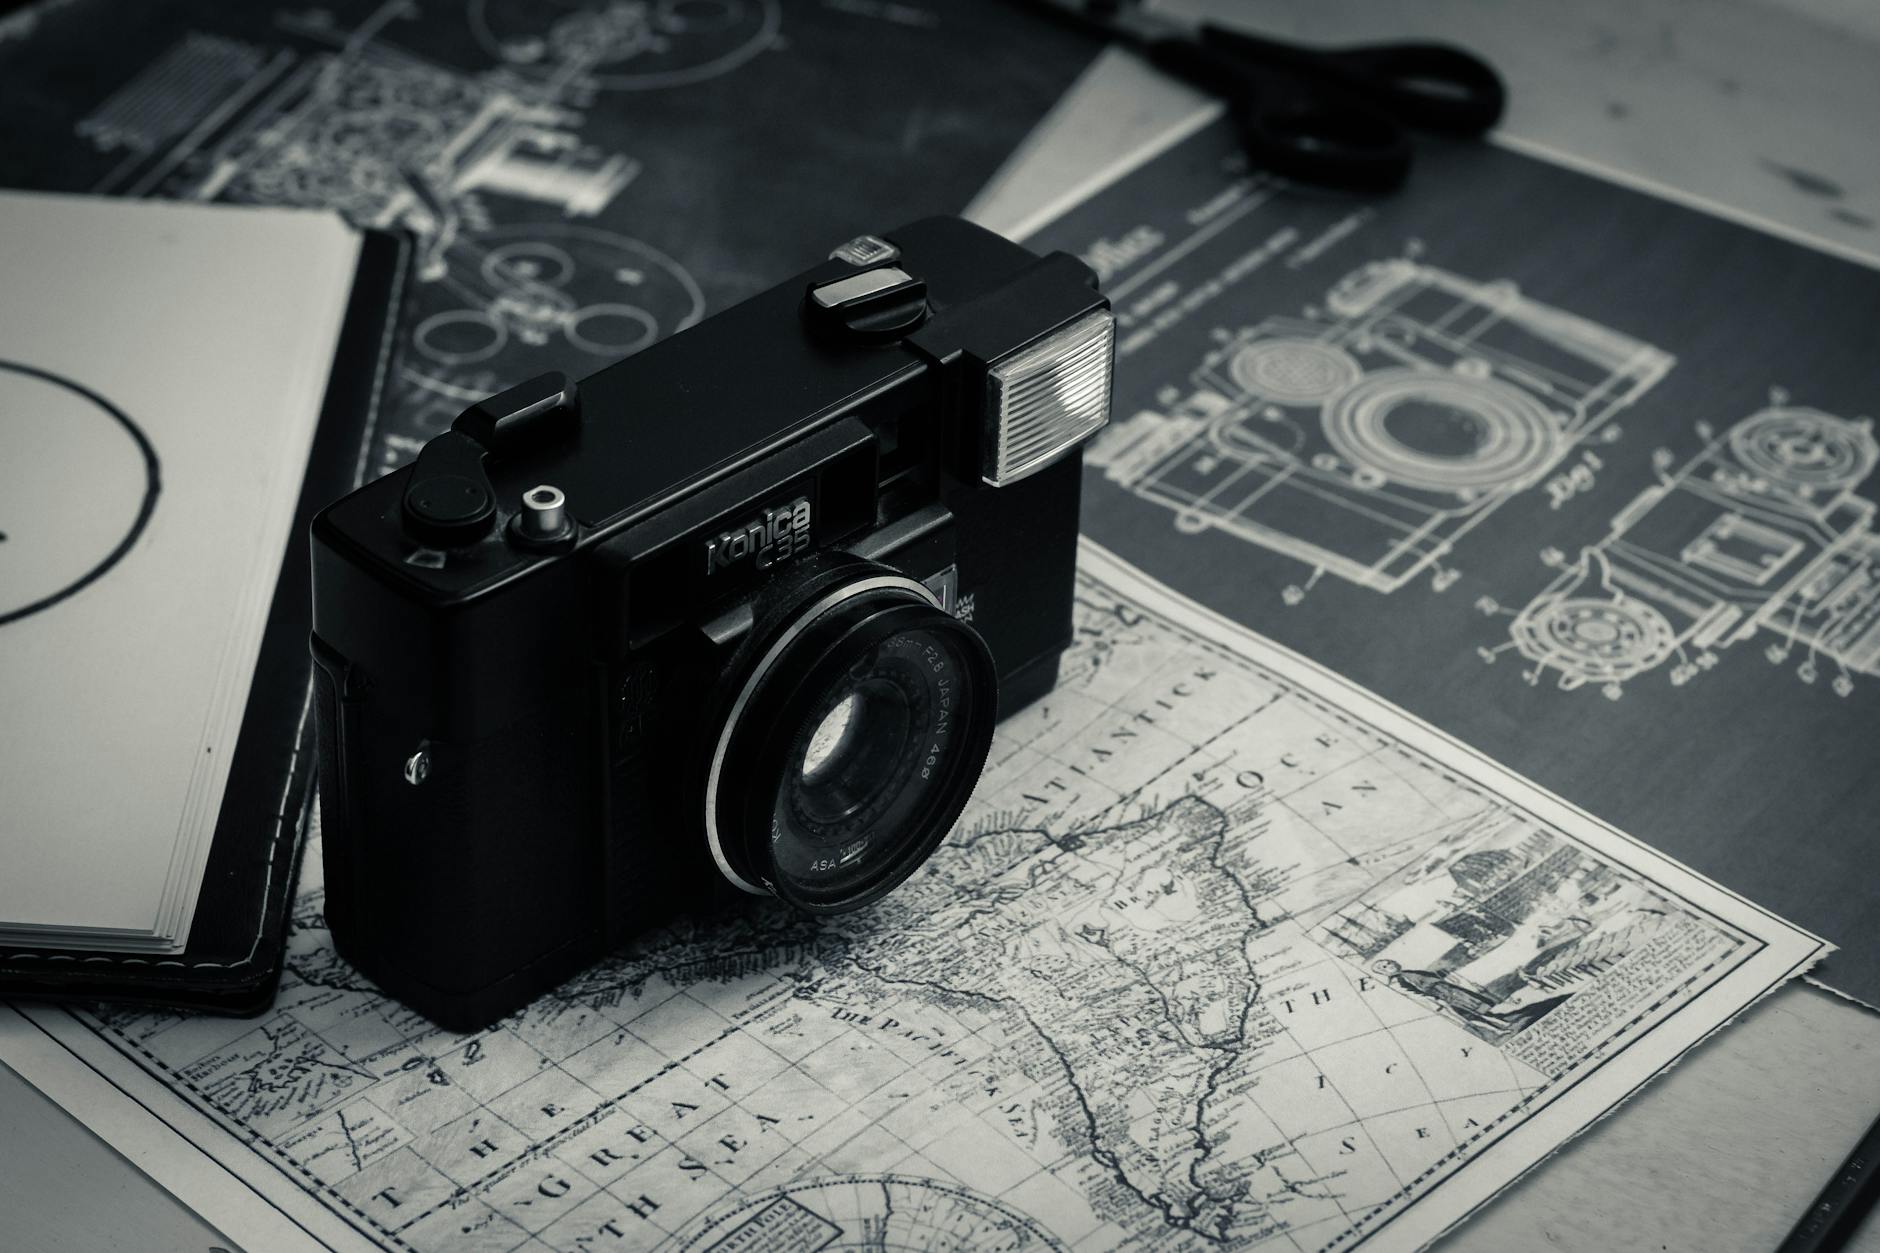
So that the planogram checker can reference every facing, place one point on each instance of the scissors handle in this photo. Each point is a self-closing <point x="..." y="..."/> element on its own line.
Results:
<point x="1429" y="86"/>
<point x="1306" y="136"/>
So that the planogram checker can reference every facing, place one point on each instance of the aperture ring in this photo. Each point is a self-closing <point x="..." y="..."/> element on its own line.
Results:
<point x="714" y="837"/>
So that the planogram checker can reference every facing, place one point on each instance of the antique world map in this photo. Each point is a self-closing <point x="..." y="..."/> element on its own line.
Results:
<point x="1226" y="954"/>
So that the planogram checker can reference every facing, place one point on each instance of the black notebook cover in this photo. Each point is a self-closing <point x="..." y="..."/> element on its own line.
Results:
<point x="232" y="960"/>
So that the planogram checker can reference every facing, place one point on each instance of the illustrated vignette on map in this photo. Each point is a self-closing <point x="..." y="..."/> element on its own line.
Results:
<point x="705" y="1234"/>
<point x="1744" y="948"/>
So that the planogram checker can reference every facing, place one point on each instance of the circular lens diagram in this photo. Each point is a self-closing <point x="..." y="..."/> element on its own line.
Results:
<point x="518" y="300"/>
<point x="1595" y="640"/>
<point x="1293" y="371"/>
<point x="77" y="488"/>
<point x="627" y="46"/>
<point x="1444" y="433"/>
<point x="1804" y="449"/>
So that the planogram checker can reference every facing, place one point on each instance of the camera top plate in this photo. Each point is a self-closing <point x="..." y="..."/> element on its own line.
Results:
<point x="690" y="411"/>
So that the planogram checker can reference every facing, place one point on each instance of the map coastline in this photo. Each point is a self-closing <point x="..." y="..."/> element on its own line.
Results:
<point x="1109" y="1006"/>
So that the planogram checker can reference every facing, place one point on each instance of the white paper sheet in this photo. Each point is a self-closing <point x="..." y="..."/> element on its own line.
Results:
<point x="162" y="369"/>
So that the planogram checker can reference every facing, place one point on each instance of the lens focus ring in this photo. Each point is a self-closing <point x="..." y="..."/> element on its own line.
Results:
<point x="852" y="746"/>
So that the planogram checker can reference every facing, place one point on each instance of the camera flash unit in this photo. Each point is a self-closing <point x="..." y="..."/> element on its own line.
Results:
<point x="1044" y="400"/>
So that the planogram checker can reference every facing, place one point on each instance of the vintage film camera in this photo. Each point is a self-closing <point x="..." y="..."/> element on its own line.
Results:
<point x="740" y="611"/>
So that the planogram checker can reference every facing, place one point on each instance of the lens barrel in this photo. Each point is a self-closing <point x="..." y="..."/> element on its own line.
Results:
<point x="853" y="744"/>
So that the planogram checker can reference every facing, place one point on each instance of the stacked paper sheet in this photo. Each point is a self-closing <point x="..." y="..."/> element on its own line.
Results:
<point x="161" y="374"/>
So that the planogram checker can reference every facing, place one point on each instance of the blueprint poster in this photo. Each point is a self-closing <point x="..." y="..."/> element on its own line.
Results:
<point x="1581" y="475"/>
<point x="582" y="177"/>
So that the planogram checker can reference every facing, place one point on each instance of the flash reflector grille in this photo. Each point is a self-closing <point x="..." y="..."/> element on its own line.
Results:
<point x="1044" y="399"/>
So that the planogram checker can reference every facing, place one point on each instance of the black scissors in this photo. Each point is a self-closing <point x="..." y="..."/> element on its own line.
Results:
<point x="1338" y="117"/>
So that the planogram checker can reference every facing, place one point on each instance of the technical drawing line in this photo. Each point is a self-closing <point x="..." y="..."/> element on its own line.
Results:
<point x="1257" y="195"/>
<point x="1761" y="529"/>
<point x="1382" y="429"/>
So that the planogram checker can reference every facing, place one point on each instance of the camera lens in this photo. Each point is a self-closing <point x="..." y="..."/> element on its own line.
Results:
<point x="855" y="752"/>
<point x="853" y="745"/>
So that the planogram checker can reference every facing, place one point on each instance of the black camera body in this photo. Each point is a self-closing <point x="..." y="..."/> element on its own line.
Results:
<point x="737" y="612"/>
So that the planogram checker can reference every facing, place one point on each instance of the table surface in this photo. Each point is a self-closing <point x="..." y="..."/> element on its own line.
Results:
<point x="1741" y="102"/>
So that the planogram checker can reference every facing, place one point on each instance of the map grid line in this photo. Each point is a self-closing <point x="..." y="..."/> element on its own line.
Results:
<point x="1361" y="733"/>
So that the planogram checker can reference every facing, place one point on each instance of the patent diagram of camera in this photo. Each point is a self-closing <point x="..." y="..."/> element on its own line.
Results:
<point x="1761" y="531"/>
<point x="738" y="612"/>
<point x="1367" y="438"/>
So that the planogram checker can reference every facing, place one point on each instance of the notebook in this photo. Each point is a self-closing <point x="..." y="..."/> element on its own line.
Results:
<point x="164" y="371"/>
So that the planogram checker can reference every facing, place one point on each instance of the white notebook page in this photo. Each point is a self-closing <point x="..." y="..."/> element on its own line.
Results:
<point x="162" y="368"/>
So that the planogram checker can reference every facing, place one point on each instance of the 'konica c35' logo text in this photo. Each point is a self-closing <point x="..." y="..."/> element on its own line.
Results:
<point x="780" y="534"/>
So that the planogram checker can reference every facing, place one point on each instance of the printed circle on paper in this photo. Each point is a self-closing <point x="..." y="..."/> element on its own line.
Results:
<point x="1444" y="433"/>
<point x="1804" y="448"/>
<point x="1602" y="641"/>
<point x="522" y="299"/>
<point x="1294" y="371"/>
<point x="77" y="488"/>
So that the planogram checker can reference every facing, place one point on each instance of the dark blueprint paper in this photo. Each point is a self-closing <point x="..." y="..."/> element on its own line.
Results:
<point x="1579" y="474"/>
<point x="582" y="176"/>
